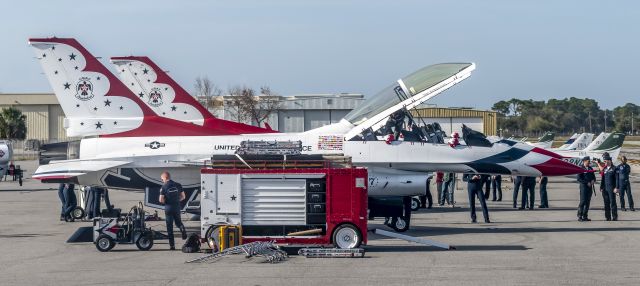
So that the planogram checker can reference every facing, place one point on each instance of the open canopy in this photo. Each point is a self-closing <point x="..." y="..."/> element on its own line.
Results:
<point x="408" y="92"/>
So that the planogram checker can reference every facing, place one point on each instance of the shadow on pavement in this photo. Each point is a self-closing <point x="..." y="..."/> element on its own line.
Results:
<point x="417" y="248"/>
<point x="432" y="231"/>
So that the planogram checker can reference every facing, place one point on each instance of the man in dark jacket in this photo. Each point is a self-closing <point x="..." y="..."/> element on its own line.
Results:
<point x="609" y="188"/>
<point x="171" y="194"/>
<point x="624" y="186"/>
<point x="587" y="181"/>
<point x="474" y="188"/>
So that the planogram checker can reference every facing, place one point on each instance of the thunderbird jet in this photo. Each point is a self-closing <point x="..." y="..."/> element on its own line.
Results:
<point x="134" y="129"/>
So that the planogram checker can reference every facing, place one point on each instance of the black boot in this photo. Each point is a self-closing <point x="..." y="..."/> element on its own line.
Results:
<point x="184" y="233"/>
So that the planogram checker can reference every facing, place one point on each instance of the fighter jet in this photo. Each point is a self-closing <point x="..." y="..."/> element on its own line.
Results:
<point x="612" y="144"/>
<point x="576" y="142"/>
<point x="129" y="139"/>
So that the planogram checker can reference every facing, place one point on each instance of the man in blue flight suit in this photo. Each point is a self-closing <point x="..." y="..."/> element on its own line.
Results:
<point x="70" y="201"/>
<point x="609" y="188"/>
<point x="496" y="186"/>
<point x="517" y="183"/>
<point x="171" y="194"/>
<point x="474" y="188"/>
<point x="544" y="200"/>
<point x="624" y="185"/>
<point x="62" y="202"/>
<point x="587" y="181"/>
<point x="528" y="186"/>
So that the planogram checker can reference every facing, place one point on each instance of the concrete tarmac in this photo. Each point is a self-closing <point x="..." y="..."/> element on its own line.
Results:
<point x="519" y="247"/>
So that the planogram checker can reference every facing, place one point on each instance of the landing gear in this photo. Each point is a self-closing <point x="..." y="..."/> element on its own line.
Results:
<point x="401" y="223"/>
<point x="395" y="210"/>
<point x="77" y="213"/>
<point x="415" y="204"/>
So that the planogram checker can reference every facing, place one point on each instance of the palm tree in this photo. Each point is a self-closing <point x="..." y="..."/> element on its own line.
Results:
<point x="13" y="124"/>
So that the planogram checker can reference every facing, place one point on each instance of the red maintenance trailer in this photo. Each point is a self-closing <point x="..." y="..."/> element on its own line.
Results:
<point x="295" y="206"/>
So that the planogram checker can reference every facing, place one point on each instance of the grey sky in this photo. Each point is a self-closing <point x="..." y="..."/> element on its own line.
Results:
<point x="524" y="49"/>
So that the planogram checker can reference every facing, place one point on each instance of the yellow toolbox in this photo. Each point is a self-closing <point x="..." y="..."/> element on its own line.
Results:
<point x="229" y="236"/>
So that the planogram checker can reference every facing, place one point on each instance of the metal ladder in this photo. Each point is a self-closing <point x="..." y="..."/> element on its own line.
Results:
<point x="331" y="252"/>
<point x="267" y="250"/>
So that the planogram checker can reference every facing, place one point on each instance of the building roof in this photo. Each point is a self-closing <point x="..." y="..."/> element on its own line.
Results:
<point x="27" y="98"/>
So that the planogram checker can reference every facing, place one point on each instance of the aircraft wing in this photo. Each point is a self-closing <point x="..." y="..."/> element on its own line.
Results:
<point x="61" y="170"/>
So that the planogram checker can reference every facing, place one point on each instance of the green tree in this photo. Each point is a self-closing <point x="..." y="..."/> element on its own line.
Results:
<point x="622" y="116"/>
<point x="13" y="124"/>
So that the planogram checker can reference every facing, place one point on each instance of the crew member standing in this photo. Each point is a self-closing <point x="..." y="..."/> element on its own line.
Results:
<point x="439" y="180"/>
<point x="62" y="201"/>
<point x="624" y="186"/>
<point x="528" y="186"/>
<point x="517" y="182"/>
<point x="496" y="186"/>
<point x="474" y="188"/>
<point x="544" y="200"/>
<point x="171" y="194"/>
<point x="427" y="196"/>
<point x="608" y="188"/>
<point x="487" y="188"/>
<point x="70" y="201"/>
<point x="586" y="180"/>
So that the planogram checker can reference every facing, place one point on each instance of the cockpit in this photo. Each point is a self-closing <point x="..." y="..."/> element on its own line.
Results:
<point x="388" y="113"/>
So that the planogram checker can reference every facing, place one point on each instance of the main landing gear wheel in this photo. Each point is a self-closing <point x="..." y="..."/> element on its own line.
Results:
<point x="347" y="237"/>
<point x="415" y="204"/>
<point x="145" y="242"/>
<point x="104" y="243"/>
<point x="399" y="224"/>
<point x="77" y="213"/>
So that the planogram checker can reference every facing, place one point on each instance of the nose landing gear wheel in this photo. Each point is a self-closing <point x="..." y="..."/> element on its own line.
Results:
<point x="77" y="213"/>
<point x="399" y="224"/>
<point x="347" y="237"/>
<point x="415" y="204"/>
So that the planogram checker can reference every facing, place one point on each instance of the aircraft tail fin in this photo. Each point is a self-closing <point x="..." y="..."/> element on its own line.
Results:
<point x="597" y="141"/>
<point x="581" y="141"/>
<point x="168" y="99"/>
<point x="547" y="137"/>
<point x="159" y="91"/>
<point x="613" y="142"/>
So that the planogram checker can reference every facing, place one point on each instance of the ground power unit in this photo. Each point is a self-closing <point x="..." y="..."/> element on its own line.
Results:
<point x="313" y="206"/>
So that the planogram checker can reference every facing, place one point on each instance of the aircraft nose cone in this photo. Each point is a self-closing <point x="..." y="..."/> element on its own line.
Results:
<point x="557" y="167"/>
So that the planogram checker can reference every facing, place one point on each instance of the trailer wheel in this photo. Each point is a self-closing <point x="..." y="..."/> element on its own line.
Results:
<point x="104" y="243"/>
<point x="347" y="236"/>
<point x="415" y="204"/>
<point x="145" y="242"/>
<point x="77" y="213"/>
<point x="399" y="224"/>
